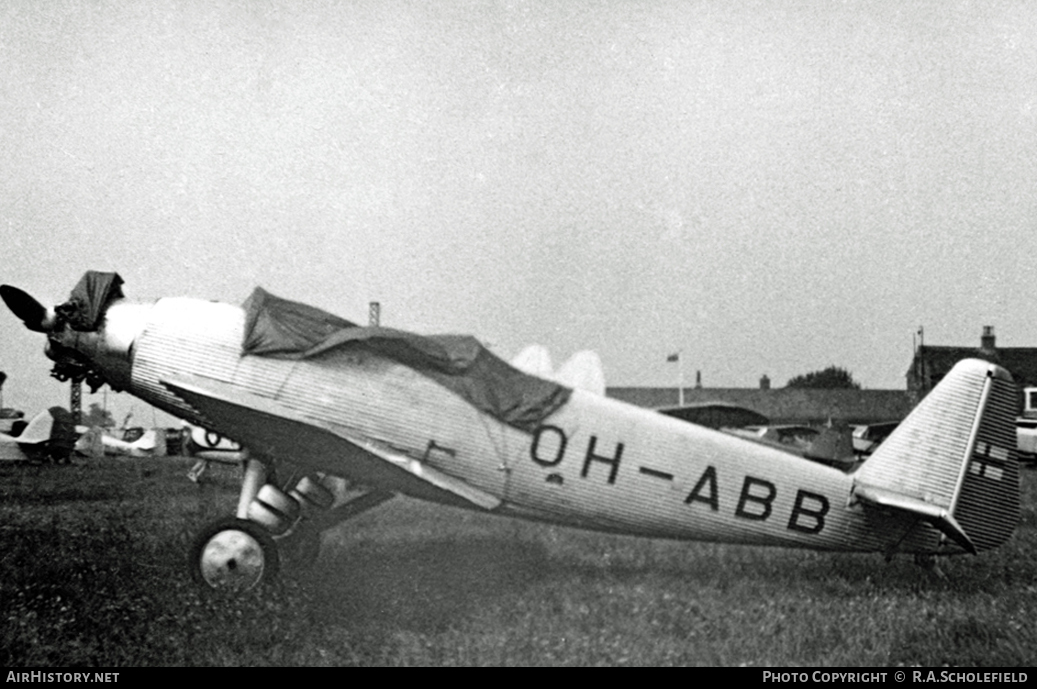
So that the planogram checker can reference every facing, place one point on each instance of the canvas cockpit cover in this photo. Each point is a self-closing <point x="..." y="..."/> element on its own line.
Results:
<point x="281" y="328"/>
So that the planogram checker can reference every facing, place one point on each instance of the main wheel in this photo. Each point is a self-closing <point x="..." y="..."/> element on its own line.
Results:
<point x="233" y="555"/>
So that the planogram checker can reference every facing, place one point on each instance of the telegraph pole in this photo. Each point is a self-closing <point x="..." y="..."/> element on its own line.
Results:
<point x="75" y="401"/>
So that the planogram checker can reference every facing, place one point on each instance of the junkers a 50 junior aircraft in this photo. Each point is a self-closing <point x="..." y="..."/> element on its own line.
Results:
<point x="310" y="395"/>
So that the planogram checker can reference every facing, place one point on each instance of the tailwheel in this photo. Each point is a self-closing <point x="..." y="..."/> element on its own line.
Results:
<point x="233" y="555"/>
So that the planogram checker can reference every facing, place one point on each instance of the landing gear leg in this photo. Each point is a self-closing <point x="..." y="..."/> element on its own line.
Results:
<point x="255" y="477"/>
<point x="270" y="526"/>
<point x="300" y="548"/>
<point x="358" y="505"/>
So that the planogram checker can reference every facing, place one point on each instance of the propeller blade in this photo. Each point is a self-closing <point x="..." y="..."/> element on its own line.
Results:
<point x="22" y="304"/>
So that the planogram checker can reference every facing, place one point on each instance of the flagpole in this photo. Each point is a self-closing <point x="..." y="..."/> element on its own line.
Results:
<point x="678" y="356"/>
<point x="680" y="378"/>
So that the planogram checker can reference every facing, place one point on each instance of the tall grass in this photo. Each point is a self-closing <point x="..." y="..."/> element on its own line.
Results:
<point x="92" y="572"/>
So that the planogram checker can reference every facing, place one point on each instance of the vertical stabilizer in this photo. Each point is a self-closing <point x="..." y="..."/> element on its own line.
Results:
<point x="583" y="372"/>
<point x="534" y="360"/>
<point x="833" y="445"/>
<point x="953" y="461"/>
<point x="38" y="430"/>
<point x="90" y="443"/>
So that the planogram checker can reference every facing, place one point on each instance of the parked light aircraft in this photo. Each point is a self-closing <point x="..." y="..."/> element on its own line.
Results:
<point x="441" y="418"/>
<point x="50" y="435"/>
<point x="868" y="437"/>
<point x="96" y="441"/>
<point x="208" y="446"/>
<point x="830" y="445"/>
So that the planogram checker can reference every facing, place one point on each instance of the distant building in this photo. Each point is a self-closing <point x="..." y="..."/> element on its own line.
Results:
<point x="811" y="407"/>
<point x="816" y="406"/>
<point x="931" y="363"/>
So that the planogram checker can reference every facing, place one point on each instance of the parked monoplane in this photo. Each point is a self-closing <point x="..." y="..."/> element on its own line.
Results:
<point x="50" y="436"/>
<point x="441" y="418"/>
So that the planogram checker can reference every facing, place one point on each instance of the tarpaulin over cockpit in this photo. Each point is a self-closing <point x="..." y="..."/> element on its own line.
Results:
<point x="281" y="328"/>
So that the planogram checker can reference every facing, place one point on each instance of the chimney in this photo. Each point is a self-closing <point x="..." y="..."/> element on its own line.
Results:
<point x="698" y="380"/>
<point x="765" y="382"/>
<point x="986" y="343"/>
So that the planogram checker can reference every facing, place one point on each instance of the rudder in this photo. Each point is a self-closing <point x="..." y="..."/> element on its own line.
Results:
<point x="988" y="503"/>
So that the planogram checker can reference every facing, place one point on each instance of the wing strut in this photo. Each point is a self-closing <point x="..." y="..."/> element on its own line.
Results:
<point x="352" y="508"/>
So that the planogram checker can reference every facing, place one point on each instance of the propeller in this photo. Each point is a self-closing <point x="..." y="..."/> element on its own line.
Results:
<point x="35" y="315"/>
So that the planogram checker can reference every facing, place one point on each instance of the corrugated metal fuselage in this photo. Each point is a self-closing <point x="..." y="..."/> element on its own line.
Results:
<point x="594" y="462"/>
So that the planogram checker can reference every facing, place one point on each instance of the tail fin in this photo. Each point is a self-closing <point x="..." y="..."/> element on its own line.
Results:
<point x="91" y="442"/>
<point x="953" y="461"/>
<point x="583" y="371"/>
<point x="147" y="443"/>
<point x="38" y="430"/>
<point x="534" y="360"/>
<point x="833" y="445"/>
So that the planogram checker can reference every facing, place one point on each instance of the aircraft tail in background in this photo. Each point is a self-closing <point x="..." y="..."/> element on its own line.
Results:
<point x="534" y="360"/>
<point x="582" y="371"/>
<point x="833" y="445"/>
<point x="51" y="433"/>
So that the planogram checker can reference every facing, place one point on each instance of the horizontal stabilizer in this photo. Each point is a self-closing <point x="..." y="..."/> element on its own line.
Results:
<point x="927" y="512"/>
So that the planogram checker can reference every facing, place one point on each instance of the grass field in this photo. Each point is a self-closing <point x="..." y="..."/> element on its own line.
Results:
<point x="92" y="572"/>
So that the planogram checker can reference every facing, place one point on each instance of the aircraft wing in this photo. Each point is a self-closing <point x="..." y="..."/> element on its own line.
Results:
<point x="268" y="428"/>
<point x="10" y="450"/>
<point x="716" y="415"/>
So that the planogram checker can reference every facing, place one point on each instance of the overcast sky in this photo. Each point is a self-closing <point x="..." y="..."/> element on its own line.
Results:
<point x="769" y="187"/>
